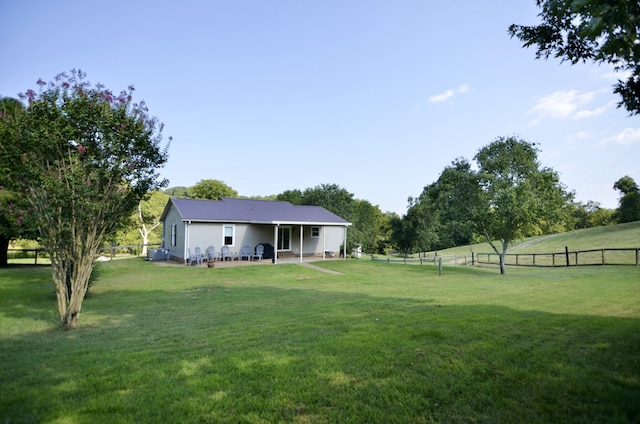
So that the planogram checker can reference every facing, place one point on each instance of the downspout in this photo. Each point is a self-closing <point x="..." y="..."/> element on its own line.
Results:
<point x="186" y="240"/>
<point x="344" y="246"/>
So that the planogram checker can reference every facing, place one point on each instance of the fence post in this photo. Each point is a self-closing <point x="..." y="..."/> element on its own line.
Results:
<point x="36" y="259"/>
<point x="637" y="256"/>
<point x="566" y="252"/>
<point x="603" y="257"/>
<point x="440" y="267"/>
<point x="473" y="259"/>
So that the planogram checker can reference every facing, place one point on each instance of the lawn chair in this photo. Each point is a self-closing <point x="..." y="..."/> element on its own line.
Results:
<point x="198" y="255"/>
<point x="259" y="251"/>
<point x="226" y="253"/>
<point x="193" y="259"/>
<point x="212" y="254"/>
<point x="245" y="252"/>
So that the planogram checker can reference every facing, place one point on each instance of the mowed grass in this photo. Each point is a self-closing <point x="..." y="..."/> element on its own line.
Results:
<point x="377" y="343"/>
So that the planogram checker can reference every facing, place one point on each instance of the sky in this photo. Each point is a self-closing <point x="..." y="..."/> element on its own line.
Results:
<point x="377" y="97"/>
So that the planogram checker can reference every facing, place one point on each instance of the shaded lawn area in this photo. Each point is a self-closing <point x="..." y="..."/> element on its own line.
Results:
<point x="375" y="344"/>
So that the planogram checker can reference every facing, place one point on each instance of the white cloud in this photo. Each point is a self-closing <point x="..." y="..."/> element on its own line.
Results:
<point x="626" y="137"/>
<point x="566" y="105"/>
<point x="448" y="94"/>
<point x="580" y="135"/>
<point x="589" y="113"/>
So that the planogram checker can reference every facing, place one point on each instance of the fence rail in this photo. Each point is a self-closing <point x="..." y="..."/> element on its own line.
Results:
<point x="26" y="256"/>
<point x="604" y="256"/>
<point x="446" y="259"/>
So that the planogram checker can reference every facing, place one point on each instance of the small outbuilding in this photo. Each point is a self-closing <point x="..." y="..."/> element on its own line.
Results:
<point x="289" y="229"/>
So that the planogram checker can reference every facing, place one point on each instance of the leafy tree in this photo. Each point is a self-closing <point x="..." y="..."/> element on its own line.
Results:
<point x="331" y="197"/>
<point x="626" y="185"/>
<point x="85" y="160"/>
<point x="144" y="224"/>
<point x="211" y="189"/>
<point x="15" y="212"/>
<point x="629" y="206"/>
<point x="369" y="224"/>
<point x="178" y="191"/>
<point x="591" y="214"/>
<point x="600" y="31"/>
<point x="448" y="197"/>
<point x="420" y="227"/>
<point x="292" y="196"/>
<point x="514" y="194"/>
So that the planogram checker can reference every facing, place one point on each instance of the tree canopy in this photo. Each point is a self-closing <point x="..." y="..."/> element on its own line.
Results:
<point x="16" y="219"/>
<point x="211" y="189"/>
<point x="629" y="206"/>
<point x="599" y="31"/>
<point x="86" y="157"/>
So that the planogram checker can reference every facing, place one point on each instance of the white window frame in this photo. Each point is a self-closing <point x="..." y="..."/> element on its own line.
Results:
<point x="315" y="232"/>
<point x="281" y="238"/>
<point x="233" y="235"/>
<point x="174" y="234"/>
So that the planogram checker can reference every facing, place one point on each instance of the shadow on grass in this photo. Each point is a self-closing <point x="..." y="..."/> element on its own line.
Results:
<point x="256" y="354"/>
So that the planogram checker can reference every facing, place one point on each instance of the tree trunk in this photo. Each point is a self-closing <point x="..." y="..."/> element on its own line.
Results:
<point x="4" y="255"/>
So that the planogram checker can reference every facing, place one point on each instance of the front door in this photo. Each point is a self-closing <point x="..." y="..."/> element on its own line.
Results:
<point x="284" y="238"/>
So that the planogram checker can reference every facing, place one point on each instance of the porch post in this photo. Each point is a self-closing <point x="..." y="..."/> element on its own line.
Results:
<point x="301" y="246"/>
<point x="275" y="243"/>
<point x="324" y="242"/>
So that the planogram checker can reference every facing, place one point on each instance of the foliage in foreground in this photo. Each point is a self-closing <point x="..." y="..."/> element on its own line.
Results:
<point x="377" y="343"/>
<point x="84" y="159"/>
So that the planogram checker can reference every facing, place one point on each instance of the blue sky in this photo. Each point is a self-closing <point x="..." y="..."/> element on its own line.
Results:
<point x="375" y="96"/>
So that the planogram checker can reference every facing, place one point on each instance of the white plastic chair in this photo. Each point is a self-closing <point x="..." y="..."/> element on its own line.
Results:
<point x="212" y="254"/>
<point x="226" y="253"/>
<point x="245" y="252"/>
<point x="259" y="251"/>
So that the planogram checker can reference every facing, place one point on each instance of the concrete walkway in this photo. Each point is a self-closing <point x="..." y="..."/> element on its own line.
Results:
<point x="317" y="268"/>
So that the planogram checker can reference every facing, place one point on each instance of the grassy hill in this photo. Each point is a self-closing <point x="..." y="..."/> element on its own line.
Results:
<point x="612" y="236"/>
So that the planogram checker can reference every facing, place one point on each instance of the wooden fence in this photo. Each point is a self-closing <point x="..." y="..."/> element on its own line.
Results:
<point x="605" y="256"/>
<point x="26" y="256"/>
<point x="435" y="260"/>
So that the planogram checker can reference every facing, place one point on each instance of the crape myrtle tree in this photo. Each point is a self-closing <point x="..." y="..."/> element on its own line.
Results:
<point x="514" y="195"/>
<point x="599" y="31"/>
<point x="85" y="160"/>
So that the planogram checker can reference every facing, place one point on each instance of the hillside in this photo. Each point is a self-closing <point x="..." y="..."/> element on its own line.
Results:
<point x="612" y="236"/>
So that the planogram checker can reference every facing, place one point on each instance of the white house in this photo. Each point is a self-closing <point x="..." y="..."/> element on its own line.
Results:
<point x="295" y="229"/>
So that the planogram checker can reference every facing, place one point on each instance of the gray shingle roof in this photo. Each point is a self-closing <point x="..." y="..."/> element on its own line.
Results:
<point x="251" y="211"/>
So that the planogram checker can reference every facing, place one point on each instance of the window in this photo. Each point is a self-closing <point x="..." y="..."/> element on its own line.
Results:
<point x="315" y="232"/>
<point x="174" y="229"/>
<point x="284" y="238"/>
<point x="229" y="235"/>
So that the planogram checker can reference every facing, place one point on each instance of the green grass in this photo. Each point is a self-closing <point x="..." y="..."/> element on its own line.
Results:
<point x="375" y="344"/>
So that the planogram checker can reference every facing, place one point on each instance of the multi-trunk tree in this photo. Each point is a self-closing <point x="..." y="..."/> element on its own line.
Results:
<point x="86" y="157"/>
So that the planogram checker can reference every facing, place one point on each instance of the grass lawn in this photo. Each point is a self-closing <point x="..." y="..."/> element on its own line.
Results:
<point x="374" y="344"/>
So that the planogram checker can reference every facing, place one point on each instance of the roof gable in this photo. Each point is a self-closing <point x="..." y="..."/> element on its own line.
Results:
<point x="251" y="211"/>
